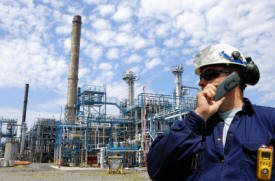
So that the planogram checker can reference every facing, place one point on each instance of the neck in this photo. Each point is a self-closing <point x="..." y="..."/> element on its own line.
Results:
<point x="234" y="100"/>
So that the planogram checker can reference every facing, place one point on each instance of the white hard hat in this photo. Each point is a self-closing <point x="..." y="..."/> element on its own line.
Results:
<point x="218" y="54"/>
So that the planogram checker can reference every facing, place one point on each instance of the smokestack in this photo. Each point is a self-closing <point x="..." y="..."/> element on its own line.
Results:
<point x="177" y="71"/>
<point x="73" y="70"/>
<point x="23" y="125"/>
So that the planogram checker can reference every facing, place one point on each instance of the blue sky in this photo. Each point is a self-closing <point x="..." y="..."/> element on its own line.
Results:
<point x="148" y="37"/>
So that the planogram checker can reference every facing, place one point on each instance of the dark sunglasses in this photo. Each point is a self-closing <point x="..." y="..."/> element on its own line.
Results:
<point x="211" y="74"/>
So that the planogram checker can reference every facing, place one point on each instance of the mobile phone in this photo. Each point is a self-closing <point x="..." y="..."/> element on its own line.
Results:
<point x="229" y="83"/>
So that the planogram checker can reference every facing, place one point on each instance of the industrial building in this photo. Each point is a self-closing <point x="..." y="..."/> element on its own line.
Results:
<point x="89" y="134"/>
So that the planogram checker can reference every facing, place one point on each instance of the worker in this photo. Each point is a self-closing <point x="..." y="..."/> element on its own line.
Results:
<point x="218" y="141"/>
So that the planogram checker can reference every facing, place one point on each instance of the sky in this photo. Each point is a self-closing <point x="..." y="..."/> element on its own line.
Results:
<point x="148" y="37"/>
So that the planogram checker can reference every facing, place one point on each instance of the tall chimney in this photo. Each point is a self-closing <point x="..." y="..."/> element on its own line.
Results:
<point x="73" y="70"/>
<point x="23" y="125"/>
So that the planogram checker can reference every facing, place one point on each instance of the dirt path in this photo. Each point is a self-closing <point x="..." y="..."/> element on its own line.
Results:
<point x="47" y="172"/>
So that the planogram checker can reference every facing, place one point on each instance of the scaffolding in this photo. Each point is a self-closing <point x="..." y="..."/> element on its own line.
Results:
<point x="40" y="142"/>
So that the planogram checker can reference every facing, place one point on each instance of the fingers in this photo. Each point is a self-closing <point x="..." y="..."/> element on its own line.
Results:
<point x="206" y="106"/>
<point x="209" y="92"/>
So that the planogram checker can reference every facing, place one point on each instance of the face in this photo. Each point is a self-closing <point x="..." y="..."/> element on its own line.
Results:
<point x="213" y="75"/>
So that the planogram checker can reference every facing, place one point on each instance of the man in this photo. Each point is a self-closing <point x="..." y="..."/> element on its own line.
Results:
<point x="219" y="139"/>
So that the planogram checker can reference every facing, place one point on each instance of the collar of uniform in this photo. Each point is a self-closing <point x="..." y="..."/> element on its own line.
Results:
<point x="247" y="106"/>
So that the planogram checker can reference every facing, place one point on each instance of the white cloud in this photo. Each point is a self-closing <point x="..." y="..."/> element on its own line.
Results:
<point x="53" y="3"/>
<point x="104" y="37"/>
<point x="135" y="58"/>
<point x="163" y="30"/>
<point x="126" y="27"/>
<point x="160" y="7"/>
<point x="105" y="66"/>
<point x="94" y="52"/>
<point x="117" y="89"/>
<point x="52" y="103"/>
<point x="101" y="24"/>
<point x="63" y="30"/>
<point x="105" y="10"/>
<point x="153" y="63"/>
<point x="153" y="52"/>
<point x="139" y="42"/>
<point x="123" y="13"/>
<point x="113" y="53"/>
<point x="93" y="1"/>
<point x="172" y="43"/>
<point x="192" y="23"/>
<point x="34" y="63"/>
<point x="105" y="77"/>
<point x="67" y="45"/>
<point x="122" y="39"/>
<point x="135" y="69"/>
<point x="83" y="72"/>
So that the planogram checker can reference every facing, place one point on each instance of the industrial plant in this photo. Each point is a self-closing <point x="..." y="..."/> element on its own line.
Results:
<point x="89" y="134"/>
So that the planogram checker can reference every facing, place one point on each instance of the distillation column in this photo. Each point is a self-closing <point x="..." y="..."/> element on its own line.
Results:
<point x="177" y="71"/>
<point x="130" y="79"/>
<point x="73" y="70"/>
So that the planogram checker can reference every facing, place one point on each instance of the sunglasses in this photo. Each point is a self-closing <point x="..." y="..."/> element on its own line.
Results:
<point x="211" y="74"/>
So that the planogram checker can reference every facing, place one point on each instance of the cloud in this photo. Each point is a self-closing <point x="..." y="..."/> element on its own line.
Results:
<point x="105" y="66"/>
<point x="135" y="69"/>
<point x="83" y="72"/>
<point x="93" y="1"/>
<point x="122" y="14"/>
<point x="34" y="63"/>
<point x="163" y="30"/>
<point x="53" y="3"/>
<point x="117" y="89"/>
<point x="52" y="104"/>
<point x="160" y="8"/>
<point x="135" y="58"/>
<point x="105" y="77"/>
<point x="113" y="53"/>
<point x="101" y="24"/>
<point x="126" y="27"/>
<point x="104" y="37"/>
<point x="139" y="42"/>
<point x="172" y="43"/>
<point x="94" y="52"/>
<point x="63" y="29"/>
<point x="153" y="63"/>
<point x="152" y="52"/>
<point x="105" y="9"/>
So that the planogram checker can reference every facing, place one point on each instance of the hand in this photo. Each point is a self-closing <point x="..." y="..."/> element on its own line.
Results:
<point x="206" y="106"/>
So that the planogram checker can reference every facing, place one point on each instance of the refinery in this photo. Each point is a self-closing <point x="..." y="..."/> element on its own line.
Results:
<point x="89" y="135"/>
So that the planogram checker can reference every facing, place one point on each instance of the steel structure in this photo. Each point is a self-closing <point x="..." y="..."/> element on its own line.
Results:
<point x="40" y="141"/>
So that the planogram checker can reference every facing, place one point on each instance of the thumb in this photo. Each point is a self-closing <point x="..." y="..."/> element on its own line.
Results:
<point x="220" y="101"/>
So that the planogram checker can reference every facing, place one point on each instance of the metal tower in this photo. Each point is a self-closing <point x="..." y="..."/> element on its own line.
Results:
<point x="177" y="71"/>
<point x="130" y="79"/>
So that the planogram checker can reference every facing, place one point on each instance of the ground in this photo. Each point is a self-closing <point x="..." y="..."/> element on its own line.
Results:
<point x="48" y="172"/>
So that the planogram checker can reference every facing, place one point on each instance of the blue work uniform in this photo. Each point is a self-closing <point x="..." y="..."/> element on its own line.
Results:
<point x="193" y="149"/>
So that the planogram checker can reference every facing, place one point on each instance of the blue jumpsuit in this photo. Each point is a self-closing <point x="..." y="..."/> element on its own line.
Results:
<point x="193" y="149"/>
